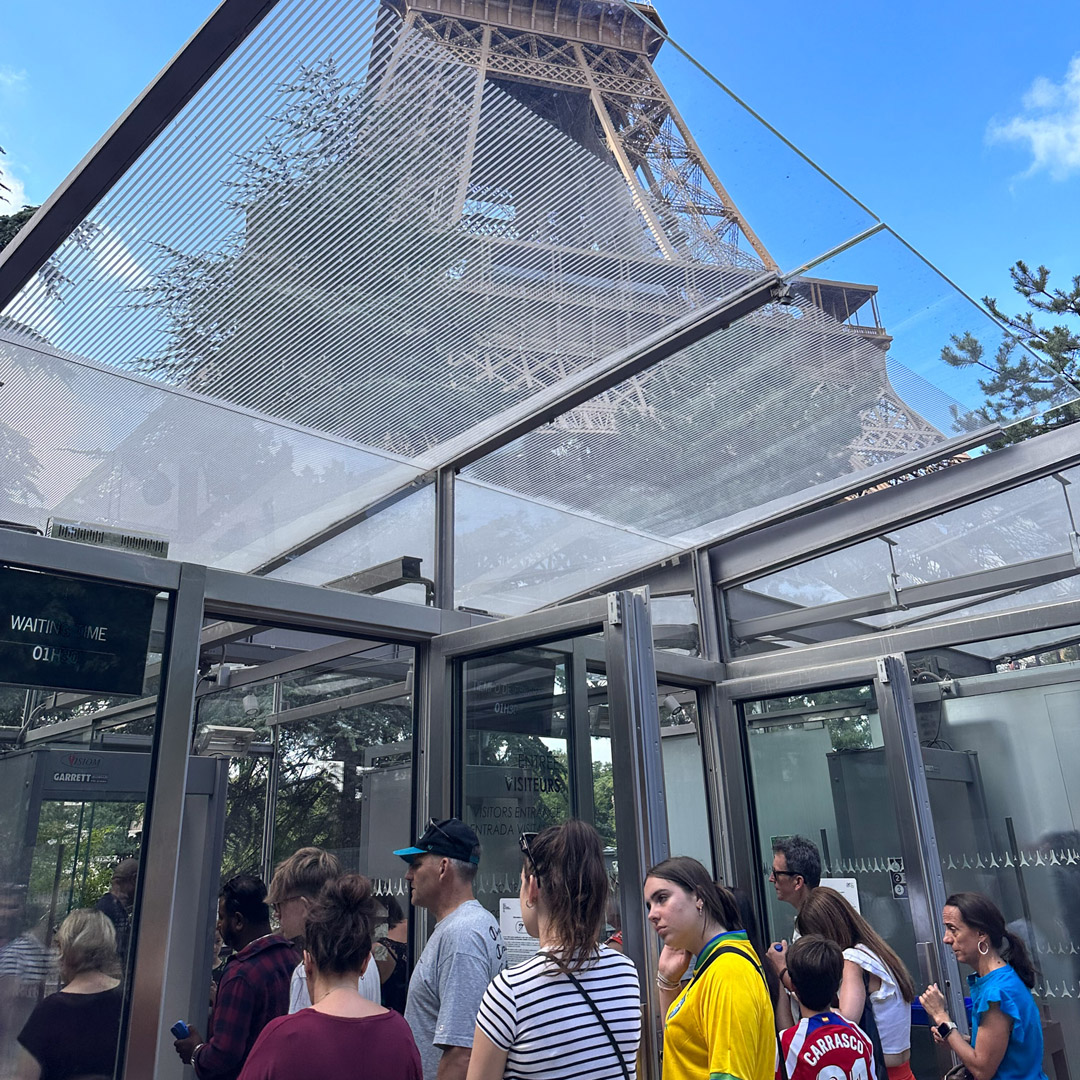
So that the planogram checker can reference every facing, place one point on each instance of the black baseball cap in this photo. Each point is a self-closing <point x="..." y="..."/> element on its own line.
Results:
<point x="450" y="837"/>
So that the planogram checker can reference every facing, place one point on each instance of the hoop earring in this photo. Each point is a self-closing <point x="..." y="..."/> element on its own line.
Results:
<point x="530" y="904"/>
<point x="984" y="948"/>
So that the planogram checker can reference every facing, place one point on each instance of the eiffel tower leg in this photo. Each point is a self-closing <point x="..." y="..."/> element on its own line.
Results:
<point x="474" y="126"/>
<point x="641" y="199"/>
<point x="702" y="163"/>
<point x="403" y="34"/>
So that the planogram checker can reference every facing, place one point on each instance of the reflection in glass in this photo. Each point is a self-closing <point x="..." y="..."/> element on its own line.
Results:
<point x="516" y="764"/>
<point x="335" y="738"/>
<point x="1001" y="732"/>
<point x="817" y="761"/>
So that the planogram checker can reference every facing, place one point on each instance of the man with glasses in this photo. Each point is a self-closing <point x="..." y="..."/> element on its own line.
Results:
<point x="296" y="883"/>
<point x="464" y="953"/>
<point x="254" y="988"/>
<point x="796" y="872"/>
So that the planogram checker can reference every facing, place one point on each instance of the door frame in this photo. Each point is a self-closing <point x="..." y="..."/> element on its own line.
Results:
<point x="907" y="782"/>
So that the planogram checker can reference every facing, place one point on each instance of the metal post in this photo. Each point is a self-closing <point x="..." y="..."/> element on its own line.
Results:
<point x="157" y="955"/>
<point x="581" y="773"/>
<point x="270" y="814"/>
<point x="911" y="799"/>
<point x="444" y="539"/>
<point x="640" y="807"/>
<point x="709" y="719"/>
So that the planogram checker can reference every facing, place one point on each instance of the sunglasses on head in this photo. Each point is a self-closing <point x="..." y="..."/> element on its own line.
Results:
<point x="524" y="842"/>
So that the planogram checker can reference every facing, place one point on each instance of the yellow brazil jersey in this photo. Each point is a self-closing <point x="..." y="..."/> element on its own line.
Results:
<point x="721" y="1025"/>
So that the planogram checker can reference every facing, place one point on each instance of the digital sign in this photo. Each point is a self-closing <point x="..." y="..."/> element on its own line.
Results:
<point x="59" y="633"/>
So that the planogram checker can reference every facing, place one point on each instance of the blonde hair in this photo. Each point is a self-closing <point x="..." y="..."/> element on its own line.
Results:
<point x="87" y="942"/>
<point x="303" y="873"/>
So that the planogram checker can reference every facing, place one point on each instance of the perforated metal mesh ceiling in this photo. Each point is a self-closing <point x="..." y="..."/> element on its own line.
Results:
<point x="379" y="226"/>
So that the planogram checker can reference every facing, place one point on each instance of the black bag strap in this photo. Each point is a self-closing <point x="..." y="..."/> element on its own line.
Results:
<point x="596" y="1012"/>
<point x="757" y="967"/>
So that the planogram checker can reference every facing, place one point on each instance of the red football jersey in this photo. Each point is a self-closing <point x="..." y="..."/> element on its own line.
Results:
<point x="826" y="1047"/>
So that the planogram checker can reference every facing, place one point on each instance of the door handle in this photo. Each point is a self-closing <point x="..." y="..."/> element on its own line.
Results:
<point x="928" y="961"/>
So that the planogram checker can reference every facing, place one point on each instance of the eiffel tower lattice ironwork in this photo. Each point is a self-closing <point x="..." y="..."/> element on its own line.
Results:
<point x="586" y="68"/>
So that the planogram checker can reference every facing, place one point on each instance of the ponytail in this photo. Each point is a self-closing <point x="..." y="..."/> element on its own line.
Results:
<point x="1015" y="954"/>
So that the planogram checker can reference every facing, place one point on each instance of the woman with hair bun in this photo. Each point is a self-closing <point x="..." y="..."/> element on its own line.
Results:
<point x="574" y="1008"/>
<point x="341" y="1033"/>
<point x="1006" y="1031"/>
<point x="721" y="1022"/>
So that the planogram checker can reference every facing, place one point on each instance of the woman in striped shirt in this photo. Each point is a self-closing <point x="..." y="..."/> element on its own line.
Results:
<point x="574" y="1008"/>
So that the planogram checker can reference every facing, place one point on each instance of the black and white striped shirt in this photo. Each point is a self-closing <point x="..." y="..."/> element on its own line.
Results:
<point x="535" y="1013"/>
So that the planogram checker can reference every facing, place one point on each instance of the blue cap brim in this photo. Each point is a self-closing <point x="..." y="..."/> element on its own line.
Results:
<point x="410" y="853"/>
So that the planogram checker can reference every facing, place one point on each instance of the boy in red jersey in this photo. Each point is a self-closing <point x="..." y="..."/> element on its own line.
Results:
<point x="823" y="1045"/>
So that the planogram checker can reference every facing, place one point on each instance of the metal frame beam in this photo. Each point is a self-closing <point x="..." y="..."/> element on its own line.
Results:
<point x="999" y="579"/>
<point x="158" y="955"/>
<point x="832" y="661"/>
<point x="119" y="148"/>
<point x="799" y="539"/>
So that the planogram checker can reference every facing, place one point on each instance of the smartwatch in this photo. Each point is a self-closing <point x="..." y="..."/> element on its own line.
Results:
<point x="945" y="1029"/>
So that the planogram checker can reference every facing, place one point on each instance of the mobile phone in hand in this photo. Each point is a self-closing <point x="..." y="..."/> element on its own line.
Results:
<point x="180" y="1030"/>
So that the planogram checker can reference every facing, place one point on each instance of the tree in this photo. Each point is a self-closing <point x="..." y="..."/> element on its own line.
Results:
<point x="10" y="224"/>
<point x="1015" y="382"/>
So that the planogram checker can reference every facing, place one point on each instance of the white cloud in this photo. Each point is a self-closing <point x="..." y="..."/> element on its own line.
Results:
<point x="15" y="197"/>
<point x="1049" y="124"/>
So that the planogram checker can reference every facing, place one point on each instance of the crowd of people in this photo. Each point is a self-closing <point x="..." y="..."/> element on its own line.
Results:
<point x="329" y="992"/>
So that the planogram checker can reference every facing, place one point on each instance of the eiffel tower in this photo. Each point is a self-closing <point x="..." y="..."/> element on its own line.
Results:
<point x="586" y="68"/>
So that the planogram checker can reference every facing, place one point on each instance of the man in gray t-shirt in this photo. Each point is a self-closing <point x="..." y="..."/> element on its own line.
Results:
<point x="465" y="951"/>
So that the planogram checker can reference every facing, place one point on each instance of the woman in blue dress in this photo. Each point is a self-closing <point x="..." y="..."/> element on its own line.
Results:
<point x="1006" y="1032"/>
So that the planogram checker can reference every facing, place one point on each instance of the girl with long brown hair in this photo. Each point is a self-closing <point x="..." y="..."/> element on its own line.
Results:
<point x="573" y="1008"/>
<point x="871" y="969"/>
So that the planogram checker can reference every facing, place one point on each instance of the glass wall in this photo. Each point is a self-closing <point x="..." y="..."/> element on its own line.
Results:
<point x="80" y="664"/>
<point x="818" y="769"/>
<point x="1006" y="811"/>
<point x="325" y="750"/>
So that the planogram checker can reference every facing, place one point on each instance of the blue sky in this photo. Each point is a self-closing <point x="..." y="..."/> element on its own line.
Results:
<point x="898" y="102"/>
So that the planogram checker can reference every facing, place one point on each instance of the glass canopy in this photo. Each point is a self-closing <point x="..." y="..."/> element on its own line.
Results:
<point x="381" y="230"/>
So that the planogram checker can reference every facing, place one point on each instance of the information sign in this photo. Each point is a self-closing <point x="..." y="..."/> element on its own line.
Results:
<point x="59" y="633"/>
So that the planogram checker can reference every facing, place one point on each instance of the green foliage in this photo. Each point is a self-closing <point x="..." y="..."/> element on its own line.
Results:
<point x="78" y="844"/>
<point x="1035" y="369"/>
<point x="10" y="224"/>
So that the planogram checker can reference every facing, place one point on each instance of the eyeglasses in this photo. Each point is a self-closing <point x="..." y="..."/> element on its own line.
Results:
<point x="276" y="908"/>
<point x="783" y="873"/>
<point x="524" y="842"/>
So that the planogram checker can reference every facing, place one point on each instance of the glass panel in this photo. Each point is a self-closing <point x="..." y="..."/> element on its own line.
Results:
<point x="603" y="784"/>
<point x="336" y="732"/>
<point x="1001" y="736"/>
<point x="817" y="763"/>
<point x="1011" y="529"/>
<point x="72" y="799"/>
<point x="516" y="759"/>
<point x="405" y="529"/>
<point x="684" y="774"/>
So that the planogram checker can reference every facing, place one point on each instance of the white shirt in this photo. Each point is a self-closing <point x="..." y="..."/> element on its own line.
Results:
<point x="892" y="1013"/>
<point x="299" y="997"/>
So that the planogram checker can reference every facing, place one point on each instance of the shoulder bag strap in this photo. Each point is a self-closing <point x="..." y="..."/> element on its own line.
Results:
<point x="597" y="1013"/>
<point x="757" y="967"/>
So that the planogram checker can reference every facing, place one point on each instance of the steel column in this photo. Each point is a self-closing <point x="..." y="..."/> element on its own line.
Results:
<point x="640" y="806"/>
<point x="158" y="955"/>
<point x="444" y="539"/>
<point x="911" y="801"/>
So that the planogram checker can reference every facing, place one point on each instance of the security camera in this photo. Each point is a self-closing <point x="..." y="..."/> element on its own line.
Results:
<point x="251" y="705"/>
